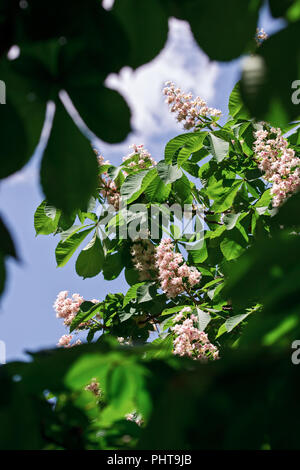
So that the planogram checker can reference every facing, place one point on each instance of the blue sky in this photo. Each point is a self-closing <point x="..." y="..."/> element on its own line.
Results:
<point x="27" y="319"/>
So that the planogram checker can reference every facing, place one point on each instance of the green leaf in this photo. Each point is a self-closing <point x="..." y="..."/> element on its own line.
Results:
<point x="69" y="167"/>
<point x="231" y="249"/>
<point x="135" y="185"/>
<point x="132" y="293"/>
<point x="199" y="255"/>
<point x="191" y="168"/>
<point x="169" y="311"/>
<point x="46" y="219"/>
<point x="203" y="319"/>
<point x="168" y="173"/>
<point x="144" y="45"/>
<point x="157" y="190"/>
<point x="268" y="272"/>
<point x="231" y="323"/>
<point x="265" y="199"/>
<point x="131" y="276"/>
<point x="288" y="213"/>
<point x="90" y="261"/>
<point x="26" y="95"/>
<point x="279" y="7"/>
<point x="87" y="311"/>
<point x="121" y="389"/>
<point x="222" y="195"/>
<point x="66" y="221"/>
<point x="182" y="188"/>
<point x="266" y="89"/>
<point x="66" y="248"/>
<point x="293" y="13"/>
<point x="14" y="151"/>
<point x="215" y="40"/>
<point x="182" y="146"/>
<point x="146" y="292"/>
<point x="230" y="220"/>
<point x="7" y="247"/>
<point x="236" y="106"/>
<point x="97" y="106"/>
<point x="194" y="144"/>
<point x="219" y="147"/>
<point x="221" y="330"/>
<point x="112" y="266"/>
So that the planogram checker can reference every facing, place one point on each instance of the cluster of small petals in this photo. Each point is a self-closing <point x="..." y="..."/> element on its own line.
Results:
<point x="260" y="36"/>
<point x="65" y="341"/>
<point x="100" y="159"/>
<point x="135" y="417"/>
<point x="94" y="387"/>
<point x="189" y="111"/>
<point x="189" y="340"/>
<point x="181" y="315"/>
<point x="67" y="307"/>
<point x="143" y="258"/>
<point x="108" y="188"/>
<point x="174" y="274"/>
<point x="112" y="194"/>
<point x="139" y="158"/>
<point x="278" y="162"/>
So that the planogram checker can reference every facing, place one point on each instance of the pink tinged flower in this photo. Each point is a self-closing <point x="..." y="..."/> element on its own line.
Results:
<point x="278" y="162"/>
<point x="94" y="387"/>
<point x="65" y="341"/>
<point x="66" y="307"/>
<point x="143" y="259"/>
<point x="172" y="270"/>
<point x="187" y="109"/>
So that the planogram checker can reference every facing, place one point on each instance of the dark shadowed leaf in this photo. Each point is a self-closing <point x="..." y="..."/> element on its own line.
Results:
<point x="146" y="25"/>
<point x="104" y="111"/>
<point x="267" y="89"/>
<point x="69" y="166"/>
